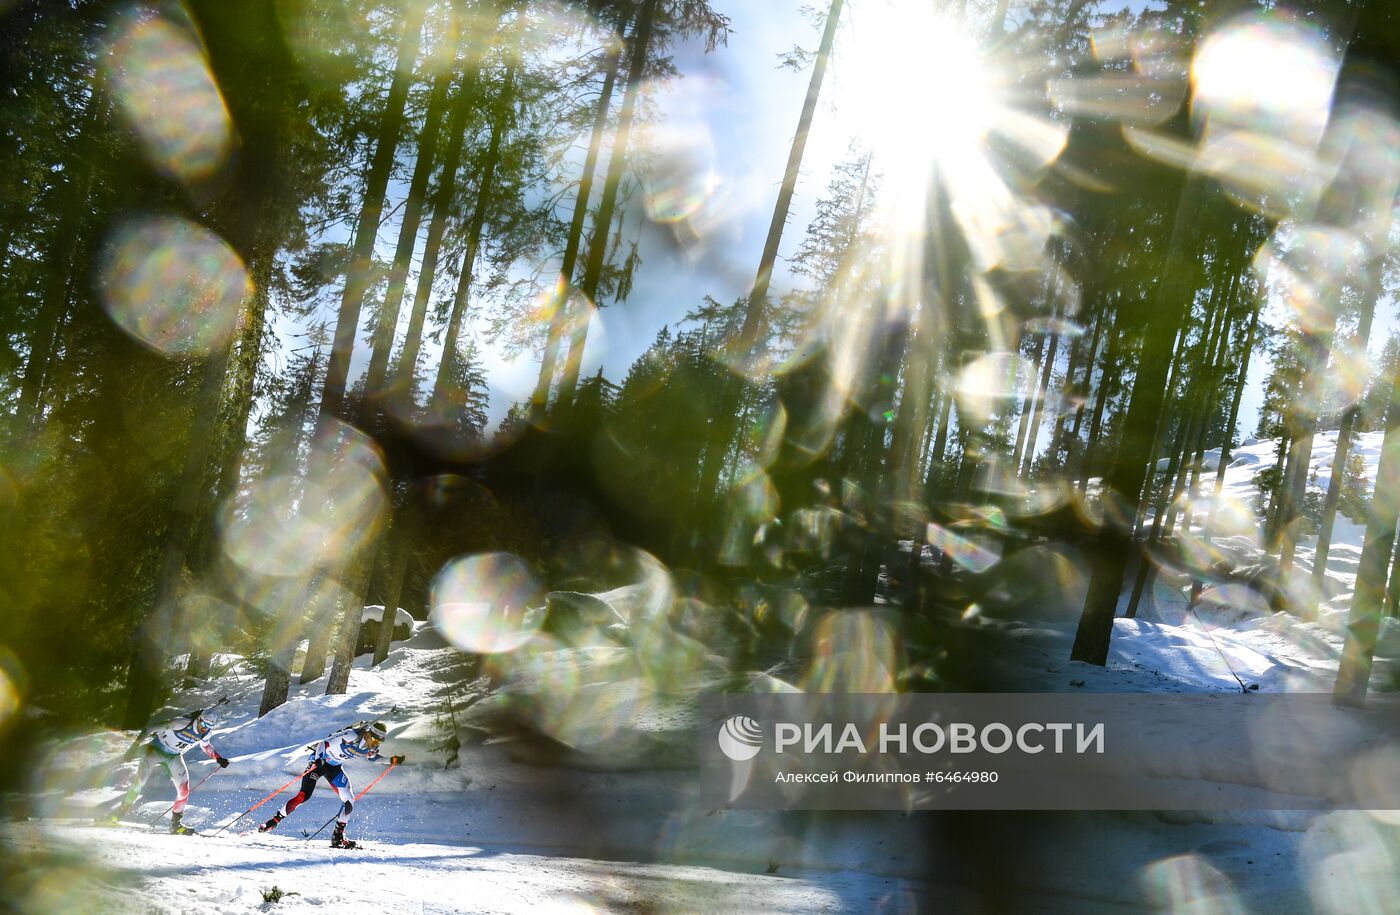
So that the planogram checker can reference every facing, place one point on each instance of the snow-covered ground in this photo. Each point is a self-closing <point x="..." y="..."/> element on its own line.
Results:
<point x="1052" y="863"/>
<point x="594" y="808"/>
<point x="496" y="832"/>
<point x="147" y="872"/>
<point x="1277" y="651"/>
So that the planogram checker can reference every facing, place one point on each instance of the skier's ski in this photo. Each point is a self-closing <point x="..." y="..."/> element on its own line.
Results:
<point x="113" y="823"/>
<point x="108" y="823"/>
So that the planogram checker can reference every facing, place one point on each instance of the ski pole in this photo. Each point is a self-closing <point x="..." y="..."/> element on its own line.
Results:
<point x="258" y="804"/>
<point x="357" y="797"/>
<point x="195" y="788"/>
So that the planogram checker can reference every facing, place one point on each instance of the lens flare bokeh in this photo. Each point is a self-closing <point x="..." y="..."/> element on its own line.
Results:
<point x="1304" y="268"/>
<point x="172" y="284"/>
<point x="1185" y="884"/>
<point x="482" y="603"/>
<point x="296" y="518"/>
<point x="853" y="651"/>
<point x="681" y="181"/>
<point x="1350" y="864"/>
<point x="160" y="77"/>
<point x="11" y="688"/>
<point x="993" y="380"/>
<point x="1268" y="73"/>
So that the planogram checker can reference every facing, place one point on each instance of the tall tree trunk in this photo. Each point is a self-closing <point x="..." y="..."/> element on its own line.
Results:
<point x="1344" y="434"/>
<point x="1225" y="447"/>
<point x="292" y="599"/>
<point x="998" y="26"/>
<point x="1028" y="403"/>
<point x="1201" y="401"/>
<point x="231" y="442"/>
<point x="1125" y="479"/>
<point x="875" y="463"/>
<point x="299" y="610"/>
<point x="333" y="398"/>
<point x="243" y="213"/>
<point x="319" y="630"/>
<point x="1179" y="359"/>
<point x="1218" y="375"/>
<point x="1192" y="428"/>
<point x="484" y="191"/>
<point x="357" y="272"/>
<point x="1300" y="462"/>
<point x="937" y="460"/>
<point x="278" y="682"/>
<point x="61" y="258"/>
<point x="612" y="185"/>
<point x="1108" y="378"/>
<point x="1067" y="429"/>
<point x="398" y="566"/>
<point x="1284" y="449"/>
<point x="408" y="237"/>
<point x="1363" y="621"/>
<point x="1042" y="390"/>
<point x="437" y="226"/>
<point x="1392" y="589"/>
<point x="348" y="632"/>
<point x="931" y="429"/>
<point x="907" y="460"/>
<point x="156" y="641"/>
<point x="1036" y="395"/>
<point x="754" y="312"/>
<point x="559" y="309"/>
<point x="1077" y="349"/>
<point x="913" y="417"/>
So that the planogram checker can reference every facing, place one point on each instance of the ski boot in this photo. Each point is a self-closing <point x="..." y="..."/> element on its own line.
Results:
<point x="177" y="828"/>
<point x="271" y="824"/>
<point x="338" y="839"/>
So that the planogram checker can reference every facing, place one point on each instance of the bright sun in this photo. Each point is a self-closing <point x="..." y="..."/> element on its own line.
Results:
<point x="913" y="88"/>
<point x="918" y="91"/>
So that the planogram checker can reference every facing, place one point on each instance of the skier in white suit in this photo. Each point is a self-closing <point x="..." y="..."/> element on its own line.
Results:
<point x="166" y="750"/>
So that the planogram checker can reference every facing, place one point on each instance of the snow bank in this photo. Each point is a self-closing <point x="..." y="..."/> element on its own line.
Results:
<point x="376" y="612"/>
<point x="370" y="621"/>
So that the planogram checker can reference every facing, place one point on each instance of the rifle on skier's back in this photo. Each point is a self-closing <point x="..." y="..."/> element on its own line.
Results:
<point x="147" y="732"/>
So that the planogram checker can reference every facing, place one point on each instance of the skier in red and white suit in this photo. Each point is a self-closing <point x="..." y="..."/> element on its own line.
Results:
<point x="328" y="758"/>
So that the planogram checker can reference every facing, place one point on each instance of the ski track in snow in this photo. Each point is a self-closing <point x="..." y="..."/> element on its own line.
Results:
<point x="149" y="872"/>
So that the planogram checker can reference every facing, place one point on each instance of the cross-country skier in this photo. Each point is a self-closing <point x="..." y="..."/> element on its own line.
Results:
<point x="328" y="758"/>
<point x="166" y="749"/>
